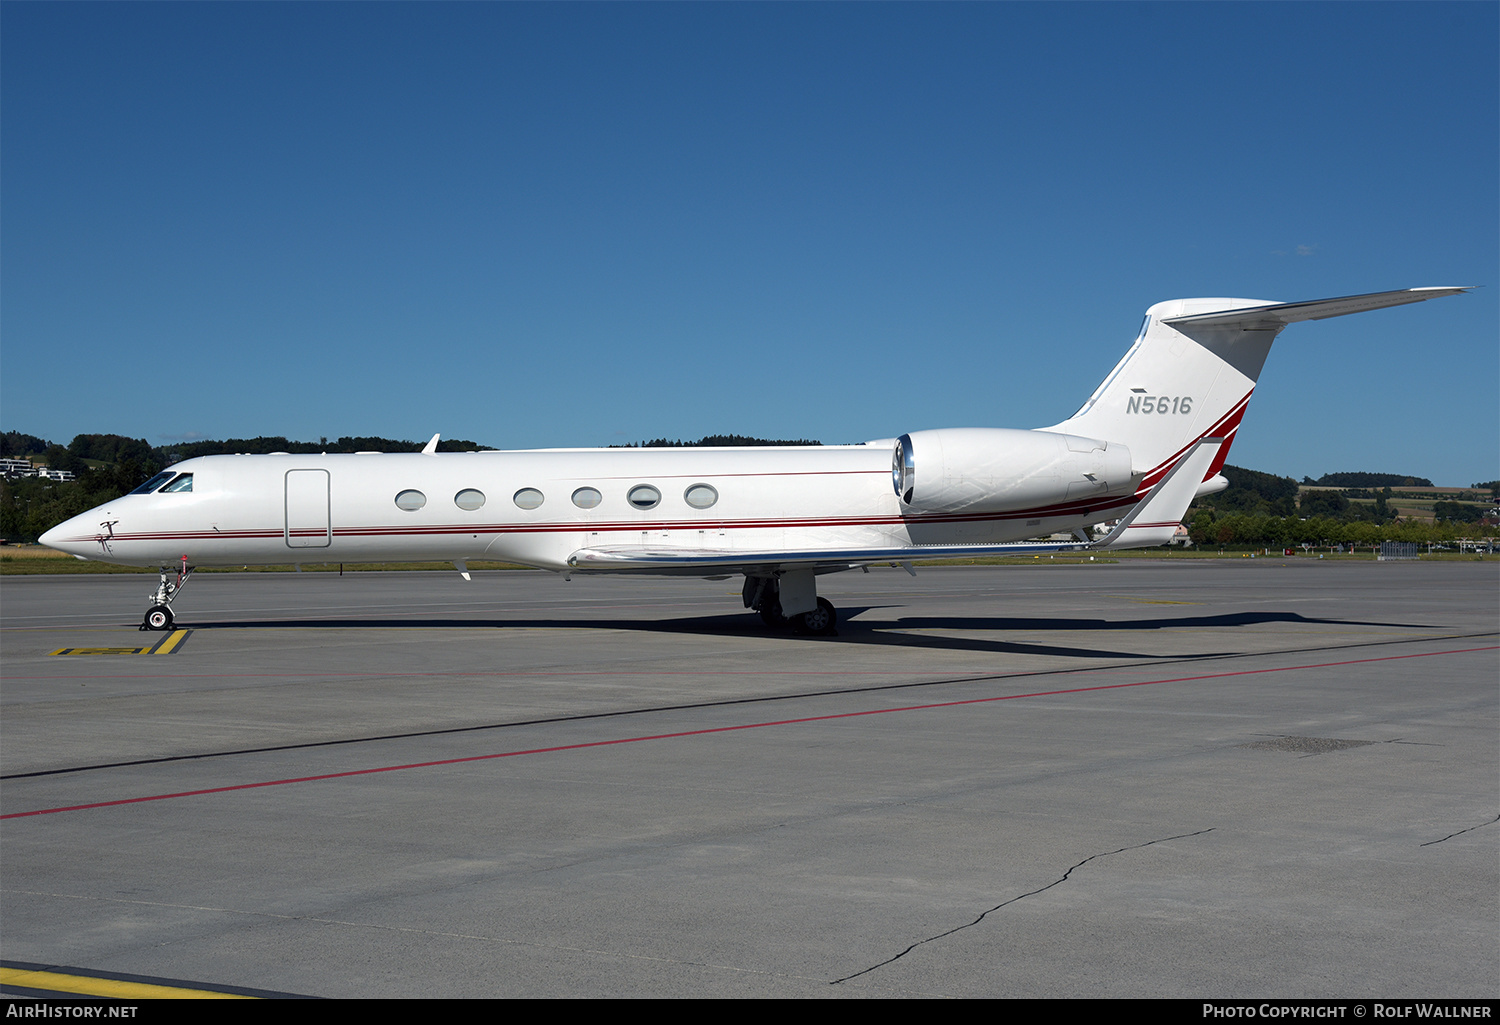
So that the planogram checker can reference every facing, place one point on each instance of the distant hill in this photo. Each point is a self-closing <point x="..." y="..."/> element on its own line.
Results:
<point x="262" y="446"/>
<point x="1251" y="491"/>
<point x="16" y="444"/>
<point x="1368" y="480"/>
<point x="116" y="449"/>
<point x="1266" y="494"/>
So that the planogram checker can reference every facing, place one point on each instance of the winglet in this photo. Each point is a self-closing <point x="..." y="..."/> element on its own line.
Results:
<point x="430" y="448"/>
<point x="1155" y="518"/>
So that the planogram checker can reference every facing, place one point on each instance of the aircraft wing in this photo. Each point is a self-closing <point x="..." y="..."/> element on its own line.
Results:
<point x="643" y="559"/>
<point x="1278" y="315"/>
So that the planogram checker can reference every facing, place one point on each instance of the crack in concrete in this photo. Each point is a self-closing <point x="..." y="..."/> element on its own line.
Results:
<point x="1057" y="882"/>
<point x="1305" y="745"/>
<point x="1450" y="836"/>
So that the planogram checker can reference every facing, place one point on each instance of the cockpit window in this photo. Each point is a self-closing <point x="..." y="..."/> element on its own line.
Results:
<point x="156" y="482"/>
<point x="183" y="483"/>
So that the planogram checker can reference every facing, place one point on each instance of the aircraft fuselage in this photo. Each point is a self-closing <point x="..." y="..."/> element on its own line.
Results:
<point x="538" y="507"/>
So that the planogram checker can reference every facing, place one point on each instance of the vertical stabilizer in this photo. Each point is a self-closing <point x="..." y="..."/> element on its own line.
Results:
<point x="1192" y="370"/>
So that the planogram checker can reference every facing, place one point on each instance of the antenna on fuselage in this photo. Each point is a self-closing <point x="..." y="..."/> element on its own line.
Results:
<point x="430" y="449"/>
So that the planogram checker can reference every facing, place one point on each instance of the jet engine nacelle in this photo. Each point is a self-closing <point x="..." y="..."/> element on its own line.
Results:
<point x="997" y="470"/>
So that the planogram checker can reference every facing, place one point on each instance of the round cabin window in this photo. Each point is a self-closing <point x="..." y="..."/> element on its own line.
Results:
<point x="411" y="501"/>
<point x="701" y="496"/>
<point x="469" y="499"/>
<point x="528" y="498"/>
<point x="587" y="498"/>
<point x="644" y="496"/>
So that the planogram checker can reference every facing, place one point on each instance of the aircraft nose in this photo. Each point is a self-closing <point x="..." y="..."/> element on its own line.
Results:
<point x="65" y="537"/>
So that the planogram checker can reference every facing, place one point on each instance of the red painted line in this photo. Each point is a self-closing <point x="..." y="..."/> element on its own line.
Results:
<point x="884" y="471"/>
<point x="727" y="729"/>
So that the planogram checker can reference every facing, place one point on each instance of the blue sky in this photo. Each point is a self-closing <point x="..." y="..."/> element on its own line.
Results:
<point x="582" y="224"/>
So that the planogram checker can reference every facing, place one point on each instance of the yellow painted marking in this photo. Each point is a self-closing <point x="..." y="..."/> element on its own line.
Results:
<point x="101" y="651"/>
<point x="113" y="988"/>
<point x="166" y="646"/>
<point x="172" y="640"/>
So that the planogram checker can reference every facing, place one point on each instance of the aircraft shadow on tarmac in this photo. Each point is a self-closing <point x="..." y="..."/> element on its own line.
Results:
<point x="906" y="631"/>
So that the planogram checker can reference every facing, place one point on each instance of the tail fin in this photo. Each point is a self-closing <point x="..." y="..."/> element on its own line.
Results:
<point x="1192" y="369"/>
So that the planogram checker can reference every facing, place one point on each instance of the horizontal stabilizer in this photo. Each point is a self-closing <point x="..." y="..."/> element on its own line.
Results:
<point x="1156" y="517"/>
<point x="1277" y="315"/>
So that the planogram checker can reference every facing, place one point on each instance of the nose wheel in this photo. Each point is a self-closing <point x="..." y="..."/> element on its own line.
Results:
<point x="159" y="615"/>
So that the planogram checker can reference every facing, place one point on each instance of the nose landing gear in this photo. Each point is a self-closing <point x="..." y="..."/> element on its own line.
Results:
<point x="159" y="615"/>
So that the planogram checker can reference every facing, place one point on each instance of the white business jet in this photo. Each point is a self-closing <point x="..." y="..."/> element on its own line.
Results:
<point x="1149" y="440"/>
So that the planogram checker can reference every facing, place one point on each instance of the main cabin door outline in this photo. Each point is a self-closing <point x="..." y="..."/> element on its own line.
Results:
<point x="309" y="522"/>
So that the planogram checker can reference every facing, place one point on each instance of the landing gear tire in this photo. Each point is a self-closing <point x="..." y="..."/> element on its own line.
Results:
<point x="820" y="620"/>
<point x="158" y="617"/>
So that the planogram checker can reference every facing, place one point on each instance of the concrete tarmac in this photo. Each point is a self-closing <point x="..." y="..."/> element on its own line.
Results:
<point x="1220" y="778"/>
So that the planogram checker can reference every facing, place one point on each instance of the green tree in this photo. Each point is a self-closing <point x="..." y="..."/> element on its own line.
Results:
<point x="1327" y="504"/>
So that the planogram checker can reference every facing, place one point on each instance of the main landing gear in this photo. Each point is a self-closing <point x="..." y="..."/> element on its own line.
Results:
<point x="765" y="594"/>
<point x="159" y="615"/>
